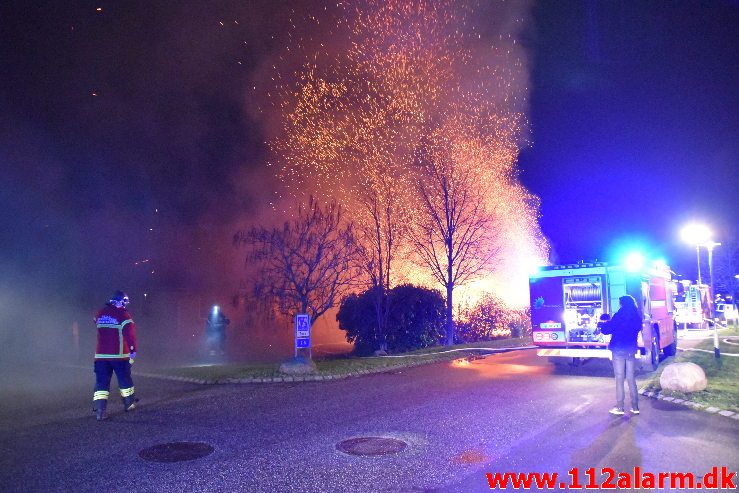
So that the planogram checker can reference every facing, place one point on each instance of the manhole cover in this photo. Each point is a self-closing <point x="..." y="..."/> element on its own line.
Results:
<point x="176" y="451"/>
<point x="371" y="446"/>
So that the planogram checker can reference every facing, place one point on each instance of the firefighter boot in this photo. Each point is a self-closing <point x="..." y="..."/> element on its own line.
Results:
<point x="99" y="409"/>
<point x="129" y="402"/>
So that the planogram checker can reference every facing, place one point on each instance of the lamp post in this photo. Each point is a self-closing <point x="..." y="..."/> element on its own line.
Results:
<point x="698" y="258"/>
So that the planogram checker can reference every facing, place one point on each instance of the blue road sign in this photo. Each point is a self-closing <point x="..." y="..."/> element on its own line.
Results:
<point x="302" y="343"/>
<point x="302" y="330"/>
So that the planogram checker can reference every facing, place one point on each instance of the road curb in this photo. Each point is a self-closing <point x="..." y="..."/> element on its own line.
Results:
<point x="688" y="403"/>
<point x="284" y="378"/>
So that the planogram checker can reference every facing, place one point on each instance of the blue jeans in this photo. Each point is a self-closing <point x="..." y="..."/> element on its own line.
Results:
<point x="623" y="369"/>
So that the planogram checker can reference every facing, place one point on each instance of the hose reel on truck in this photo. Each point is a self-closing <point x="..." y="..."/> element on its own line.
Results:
<point x="585" y="294"/>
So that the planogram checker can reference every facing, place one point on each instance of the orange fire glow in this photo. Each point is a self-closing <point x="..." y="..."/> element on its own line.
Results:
<point x="412" y="75"/>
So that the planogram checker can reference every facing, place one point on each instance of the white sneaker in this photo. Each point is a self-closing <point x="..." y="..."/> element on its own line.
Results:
<point x="634" y="411"/>
<point x="616" y="411"/>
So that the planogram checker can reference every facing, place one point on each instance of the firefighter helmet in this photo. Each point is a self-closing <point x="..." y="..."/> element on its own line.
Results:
<point x="119" y="299"/>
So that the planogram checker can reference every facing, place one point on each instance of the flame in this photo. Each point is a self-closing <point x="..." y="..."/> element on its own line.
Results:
<point x="411" y="76"/>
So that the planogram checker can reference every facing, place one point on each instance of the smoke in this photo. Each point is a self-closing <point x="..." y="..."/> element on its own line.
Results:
<point x="331" y="91"/>
<point x="127" y="161"/>
<point x="133" y="144"/>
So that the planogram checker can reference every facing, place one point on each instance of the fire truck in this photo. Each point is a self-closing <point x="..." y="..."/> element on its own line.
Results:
<point x="568" y="300"/>
<point x="693" y="306"/>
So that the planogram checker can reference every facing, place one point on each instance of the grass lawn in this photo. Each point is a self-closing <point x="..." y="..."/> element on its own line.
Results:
<point x="722" y="374"/>
<point x="342" y="366"/>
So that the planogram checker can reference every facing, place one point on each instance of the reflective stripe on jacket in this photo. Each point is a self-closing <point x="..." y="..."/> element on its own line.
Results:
<point x="116" y="333"/>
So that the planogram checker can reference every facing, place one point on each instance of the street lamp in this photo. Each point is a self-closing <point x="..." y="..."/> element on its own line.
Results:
<point x="696" y="234"/>
<point x="709" y="246"/>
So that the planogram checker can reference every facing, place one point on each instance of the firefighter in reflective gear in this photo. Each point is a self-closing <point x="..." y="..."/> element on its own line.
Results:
<point x="115" y="352"/>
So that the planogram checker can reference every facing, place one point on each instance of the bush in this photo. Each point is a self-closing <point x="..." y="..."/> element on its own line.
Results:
<point x="491" y="319"/>
<point x="357" y="317"/>
<point x="520" y="322"/>
<point x="416" y="319"/>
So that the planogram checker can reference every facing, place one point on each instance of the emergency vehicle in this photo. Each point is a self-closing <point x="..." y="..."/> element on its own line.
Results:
<point x="568" y="300"/>
<point x="693" y="308"/>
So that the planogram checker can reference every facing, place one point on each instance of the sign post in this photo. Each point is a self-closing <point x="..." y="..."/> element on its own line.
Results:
<point x="302" y="333"/>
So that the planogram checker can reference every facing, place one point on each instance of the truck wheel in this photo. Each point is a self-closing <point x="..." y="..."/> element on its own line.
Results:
<point x="671" y="350"/>
<point x="654" y="354"/>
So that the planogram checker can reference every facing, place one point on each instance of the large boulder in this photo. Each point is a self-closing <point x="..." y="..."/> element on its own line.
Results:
<point x="298" y="366"/>
<point x="683" y="377"/>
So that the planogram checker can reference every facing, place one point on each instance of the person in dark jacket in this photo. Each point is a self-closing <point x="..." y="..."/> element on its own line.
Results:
<point x="624" y="328"/>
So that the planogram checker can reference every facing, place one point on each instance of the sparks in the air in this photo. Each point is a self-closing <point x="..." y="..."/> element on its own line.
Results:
<point x="411" y="82"/>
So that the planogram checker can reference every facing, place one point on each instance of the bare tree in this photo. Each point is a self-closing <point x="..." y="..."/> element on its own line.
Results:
<point x="453" y="233"/>
<point x="726" y="266"/>
<point x="307" y="265"/>
<point x="350" y="126"/>
<point x="380" y="234"/>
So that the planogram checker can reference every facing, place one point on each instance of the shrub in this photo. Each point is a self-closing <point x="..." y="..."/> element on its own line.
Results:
<point x="415" y="320"/>
<point x="520" y="322"/>
<point x="491" y="319"/>
<point x="357" y="317"/>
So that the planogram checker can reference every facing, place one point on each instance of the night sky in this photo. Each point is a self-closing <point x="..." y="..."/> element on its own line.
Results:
<point x="127" y="133"/>
<point x="635" y="122"/>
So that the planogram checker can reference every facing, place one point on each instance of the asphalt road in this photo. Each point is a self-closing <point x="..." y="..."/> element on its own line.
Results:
<point x="508" y="412"/>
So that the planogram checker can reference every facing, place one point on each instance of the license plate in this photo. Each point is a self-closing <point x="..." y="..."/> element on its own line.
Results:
<point x="549" y="336"/>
